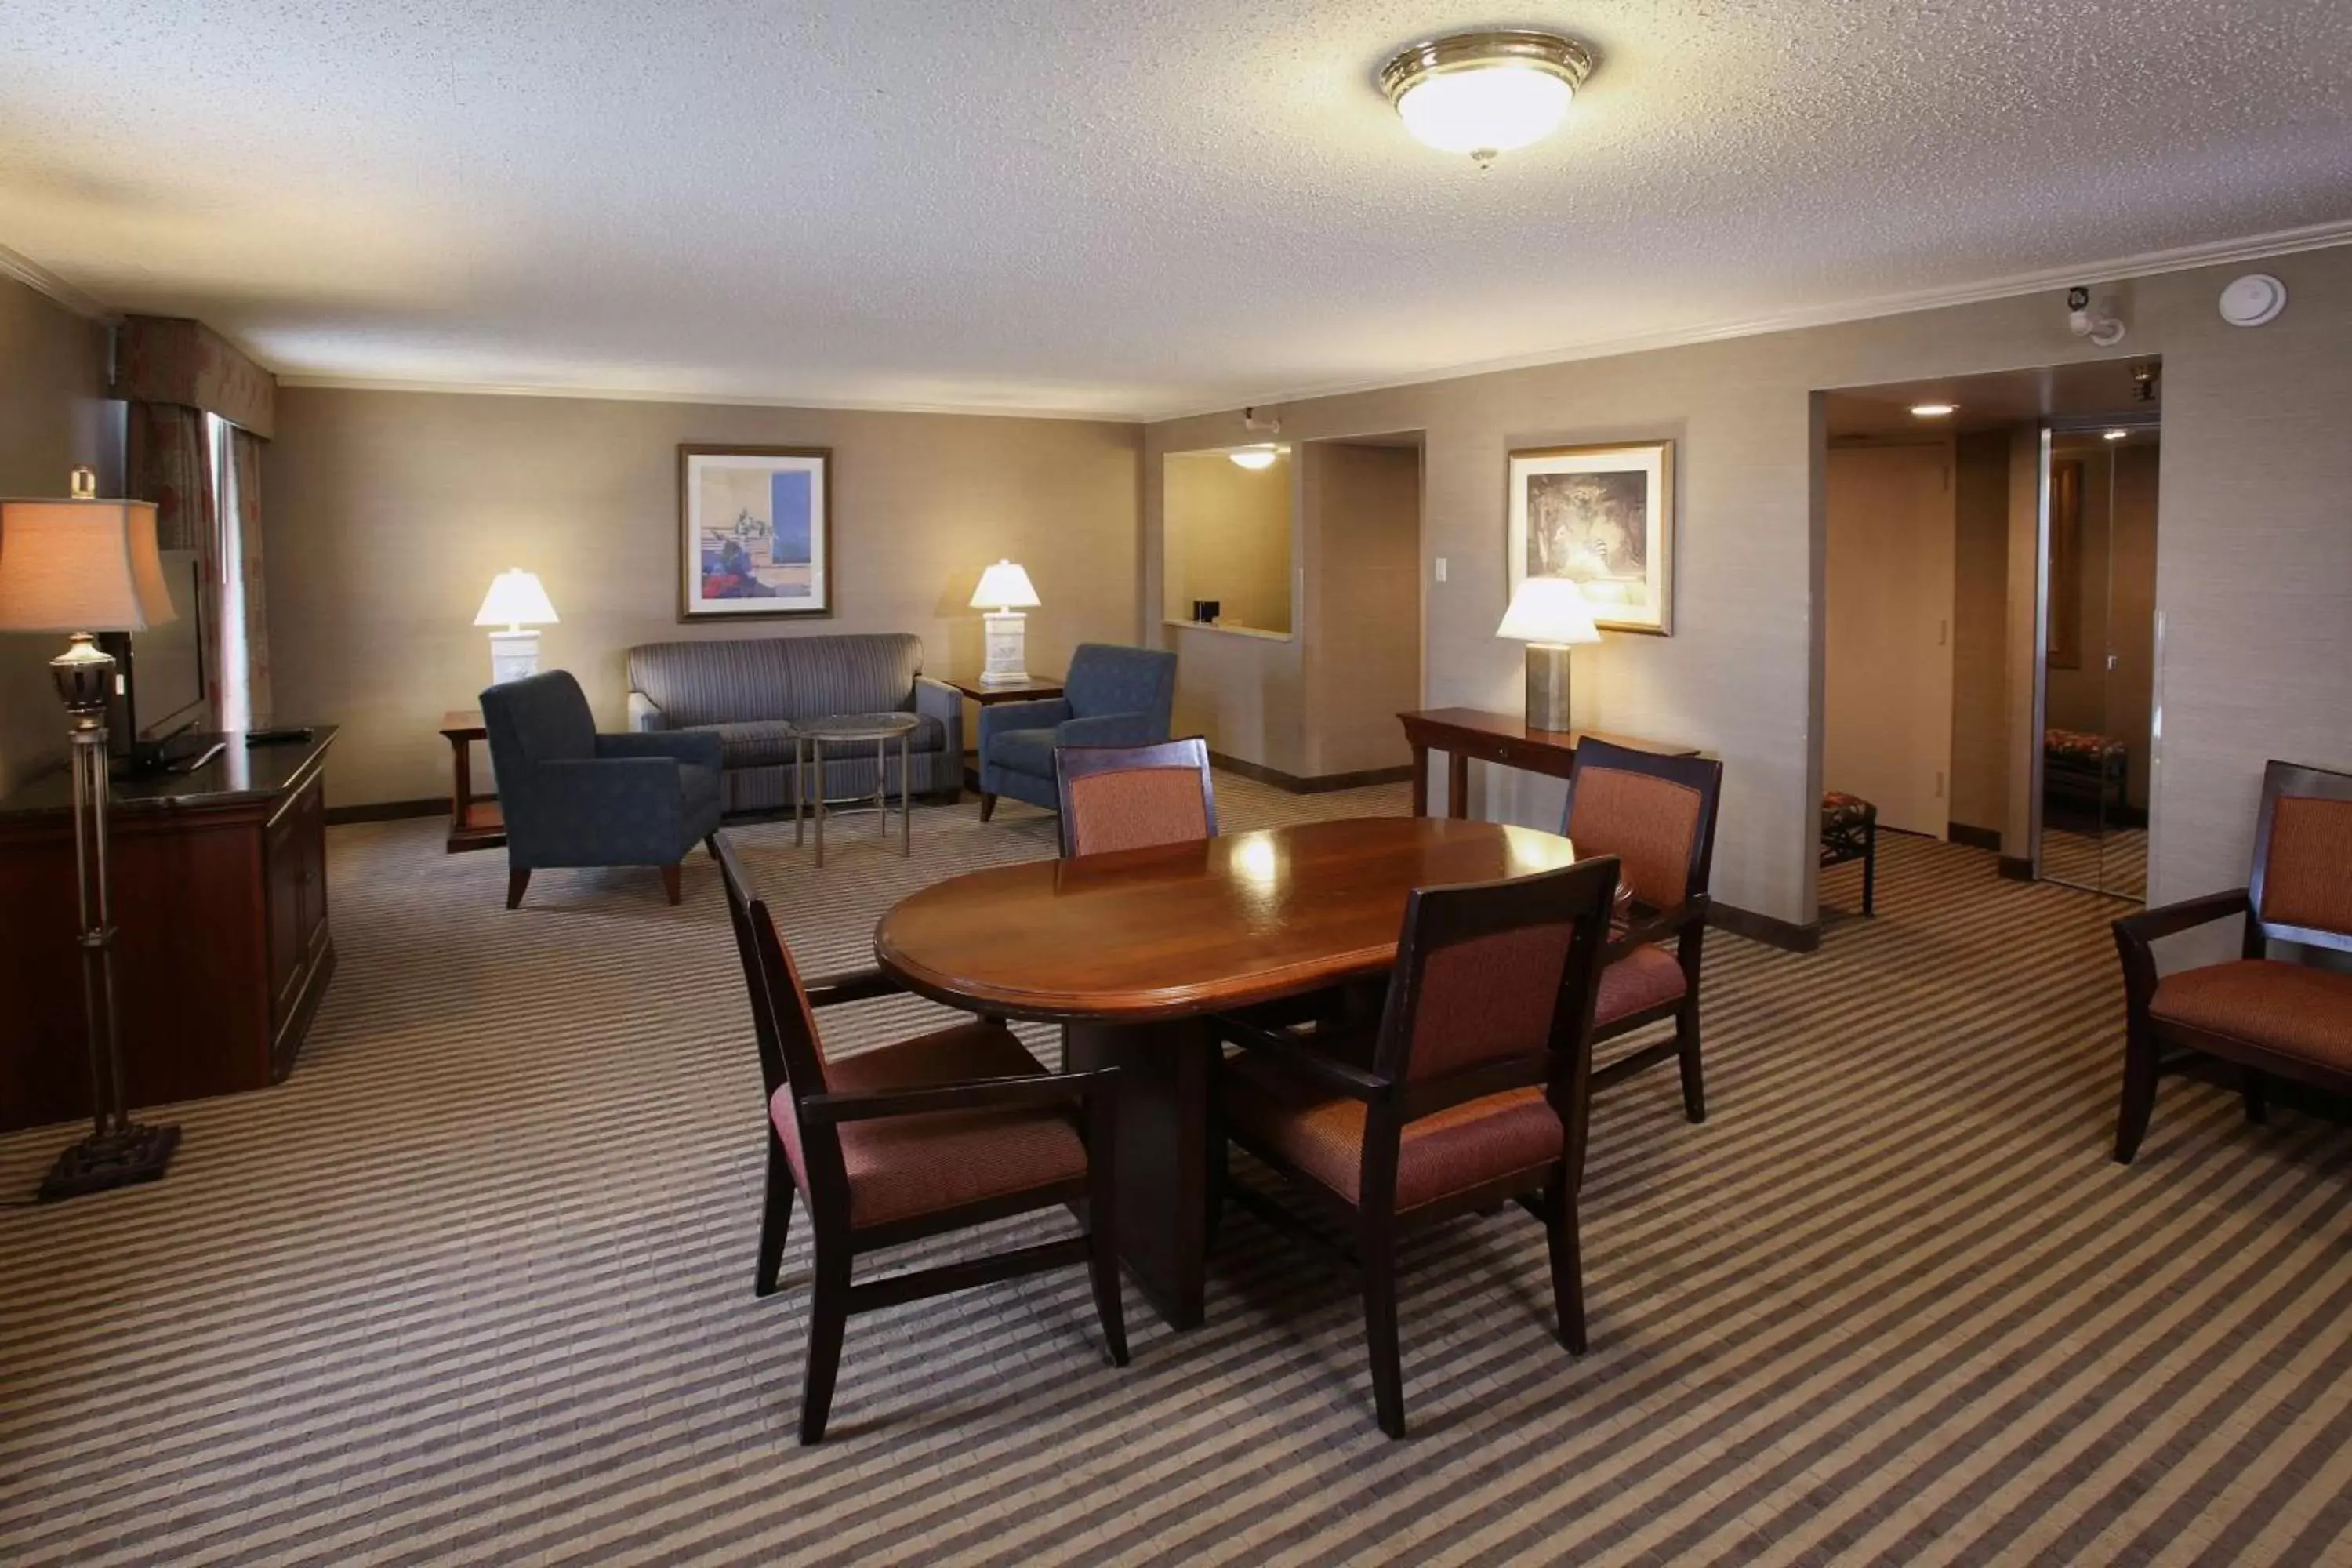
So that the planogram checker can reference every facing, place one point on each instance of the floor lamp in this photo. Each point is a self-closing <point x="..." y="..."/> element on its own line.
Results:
<point x="83" y="566"/>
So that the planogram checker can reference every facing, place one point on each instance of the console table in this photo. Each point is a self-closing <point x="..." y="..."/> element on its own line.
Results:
<point x="220" y="906"/>
<point x="1503" y="739"/>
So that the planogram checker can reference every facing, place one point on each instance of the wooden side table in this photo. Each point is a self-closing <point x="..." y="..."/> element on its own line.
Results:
<point x="474" y="823"/>
<point x="1503" y="739"/>
<point x="989" y="697"/>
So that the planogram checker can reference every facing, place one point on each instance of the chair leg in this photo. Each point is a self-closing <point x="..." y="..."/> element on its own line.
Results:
<point x="987" y="805"/>
<point x="710" y="844"/>
<point x="1687" y="1050"/>
<point x="775" y="1221"/>
<point x="2139" y="1095"/>
<point x="518" y="879"/>
<point x="670" y="881"/>
<point x="1379" y="1264"/>
<point x="1566" y="1267"/>
<point x="1102" y="1219"/>
<point x="828" y="1318"/>
<point x="2256" y="1088"/>
<point x="1869" y="870"/>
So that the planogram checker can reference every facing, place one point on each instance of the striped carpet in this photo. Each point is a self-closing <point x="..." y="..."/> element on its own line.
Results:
<point x="474" y="1285"/>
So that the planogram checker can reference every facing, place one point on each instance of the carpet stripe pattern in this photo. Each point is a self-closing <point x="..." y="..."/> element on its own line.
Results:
<point x="473" y="1286"/>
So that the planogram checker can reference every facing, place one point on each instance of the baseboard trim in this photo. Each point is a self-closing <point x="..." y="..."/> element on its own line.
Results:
<point x="1320" y="784"/>
<point x="1975" y="837"/>
<point x="2017" y="869"/>
<point x="1788" y="935"/>
<point x="389" y="810"/>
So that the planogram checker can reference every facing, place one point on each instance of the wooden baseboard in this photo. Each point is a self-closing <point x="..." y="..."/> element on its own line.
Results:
<point x="1320" y="784"/>
<point x="2017" y="869"/>
<point x="1975" y="837"/>
<point x="389" y="810"/>
<point x="1788" y="935"/>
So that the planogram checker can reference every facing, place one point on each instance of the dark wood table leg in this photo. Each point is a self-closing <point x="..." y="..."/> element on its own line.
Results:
<point x="1458" y="785"/>
<point x="461" y="788"/>
<point x="1420" y="780"/>
<point x="1164" y="1186"/>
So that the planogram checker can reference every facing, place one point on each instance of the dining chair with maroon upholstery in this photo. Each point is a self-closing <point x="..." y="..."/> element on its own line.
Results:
<point x="1656" y="814"/>
<point x="2255" y="1017"/>
<point x="1134" y="797"/>
<point x="936" y="1133"/>
<point x="1470" y="1089"/>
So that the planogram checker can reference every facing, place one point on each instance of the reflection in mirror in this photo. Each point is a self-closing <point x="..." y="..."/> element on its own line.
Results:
<point x="1226" y="538"/>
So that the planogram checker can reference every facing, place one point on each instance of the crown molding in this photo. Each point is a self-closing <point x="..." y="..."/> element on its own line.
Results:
<point x="707" y="400"/>
<point x="2149" y="264"/>
<point x="40" y="278"/>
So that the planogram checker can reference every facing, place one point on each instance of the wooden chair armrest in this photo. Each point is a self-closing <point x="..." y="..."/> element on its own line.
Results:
<point x="1297" y="1051"/>
<point x="971" y="1094"/>
<point x="1658" y="927"/>
<point x="851" y="985"/>
<point x="2136" y="936"/>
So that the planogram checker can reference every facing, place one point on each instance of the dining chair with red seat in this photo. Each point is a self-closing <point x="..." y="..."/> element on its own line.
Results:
<point x="934" y="1133"/>
<point x="2253" y="1018"/>
<point x="1134" y="797"/>
<point x="1470" y="1089"/>
<point x="1656" y="814"/>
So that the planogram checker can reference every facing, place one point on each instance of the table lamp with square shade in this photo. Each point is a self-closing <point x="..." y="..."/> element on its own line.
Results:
<point x="1550" y="616"/>
<point x="515" y="601"/>
<point x="1006" y="587"/>
<point x="80" y="567"/>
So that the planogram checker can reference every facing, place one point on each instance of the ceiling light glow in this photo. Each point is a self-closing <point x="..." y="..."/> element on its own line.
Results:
<point x="1933" y="410"/>
<point x="2117" y="435"/>
<point x="1253" y="458"/>
<point x="1486" y="94"/>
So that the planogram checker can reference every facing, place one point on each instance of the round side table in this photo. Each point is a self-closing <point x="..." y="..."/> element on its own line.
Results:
<point x="853" y="730"/>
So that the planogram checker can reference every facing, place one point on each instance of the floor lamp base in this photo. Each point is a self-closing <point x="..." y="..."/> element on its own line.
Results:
<point x="101" y="1163"/>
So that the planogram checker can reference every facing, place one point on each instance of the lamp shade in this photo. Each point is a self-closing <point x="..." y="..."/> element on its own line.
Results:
<point x="1549" y="610"/>
<point x="80" y="566"/>
<point x="515" y="599"/>
<point x="1006" y="587"/>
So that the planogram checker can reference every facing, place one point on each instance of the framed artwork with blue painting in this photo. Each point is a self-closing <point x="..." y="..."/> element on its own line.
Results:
<point x="755" y="532"/>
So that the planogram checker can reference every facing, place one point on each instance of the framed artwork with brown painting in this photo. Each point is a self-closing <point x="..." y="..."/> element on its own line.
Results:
<point x="754" y="533"/>
<point x="1602" y="517"/>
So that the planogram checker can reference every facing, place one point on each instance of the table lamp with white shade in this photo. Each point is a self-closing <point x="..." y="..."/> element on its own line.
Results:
<point x="80" y="567"/>
<point x="1550" y="616"/>
<point x="515" y="602"/>
<point x="1007" y="587"/>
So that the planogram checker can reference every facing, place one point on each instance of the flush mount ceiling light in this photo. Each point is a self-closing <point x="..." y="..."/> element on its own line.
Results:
<point x="1485" y="93"/>
<point x="1254" y="457"/>
<point x="1933" y="410"/>
<point x="2115" y="435"/>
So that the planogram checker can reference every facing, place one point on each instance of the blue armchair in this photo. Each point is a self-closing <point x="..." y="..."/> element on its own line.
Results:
<point x="574" y="798"/>
<point x="1112" y="696"/>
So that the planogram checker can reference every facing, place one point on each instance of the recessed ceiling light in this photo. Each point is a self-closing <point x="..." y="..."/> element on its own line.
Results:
<point x="1254" y="457"/>
<point x="1484" y="93"/>
<point x="1932" y="410"/>
<point x="2117" y="435"/>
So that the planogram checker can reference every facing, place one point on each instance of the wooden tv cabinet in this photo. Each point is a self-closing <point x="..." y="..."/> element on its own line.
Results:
<point x="222" y="951"/>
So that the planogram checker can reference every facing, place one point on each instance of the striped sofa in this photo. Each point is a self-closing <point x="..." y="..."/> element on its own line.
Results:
<point x="749" y="691"/>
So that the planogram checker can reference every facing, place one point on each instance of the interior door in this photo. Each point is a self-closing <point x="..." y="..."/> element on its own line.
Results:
<point x="1887" y="629"/>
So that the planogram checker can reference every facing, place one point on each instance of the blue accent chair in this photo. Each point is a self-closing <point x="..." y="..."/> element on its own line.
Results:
<point x="574" y="798"/>
<point x="1112" y="696"/>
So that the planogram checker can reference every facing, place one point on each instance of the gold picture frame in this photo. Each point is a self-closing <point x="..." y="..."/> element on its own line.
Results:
<point x="1602" y="517"/>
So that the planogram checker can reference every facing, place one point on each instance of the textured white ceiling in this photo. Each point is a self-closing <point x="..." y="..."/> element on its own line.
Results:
<point x="1134" y="206"/>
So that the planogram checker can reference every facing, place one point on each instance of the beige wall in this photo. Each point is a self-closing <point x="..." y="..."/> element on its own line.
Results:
<point x="388" y="513"/>
<point x="54" y="413"/>
<point x="1980" y="631"/>
<point x="2254" y="563"/>
<point x="1228" y="538"/>
<point x="1361" y="510"/>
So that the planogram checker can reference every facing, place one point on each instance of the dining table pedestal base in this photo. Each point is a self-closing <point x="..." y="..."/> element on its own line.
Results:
<point x="1166" y="1104"/>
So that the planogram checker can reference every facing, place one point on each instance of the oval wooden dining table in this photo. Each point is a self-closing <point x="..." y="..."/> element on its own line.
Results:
<point x="1131" y="951"/>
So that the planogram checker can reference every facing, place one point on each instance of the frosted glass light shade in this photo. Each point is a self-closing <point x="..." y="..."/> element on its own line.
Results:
<point x="1488" y="110"/>
<point x="1254" y="458"/>
<point x="80" y="566"/>
<point x="1004" y="586"/>
<point x="1549" y="610"/>
<point x="515" y="599"/>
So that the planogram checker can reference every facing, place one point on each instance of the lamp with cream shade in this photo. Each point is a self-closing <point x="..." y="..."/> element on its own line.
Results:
<point x="1547" y="614"/>
<point x="1006" y="587"/>
<point x="515" y="601"/>
<point x="83" y="566"/>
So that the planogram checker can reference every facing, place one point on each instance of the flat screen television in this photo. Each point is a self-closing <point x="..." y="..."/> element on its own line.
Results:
<point x="159" y="681"/>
